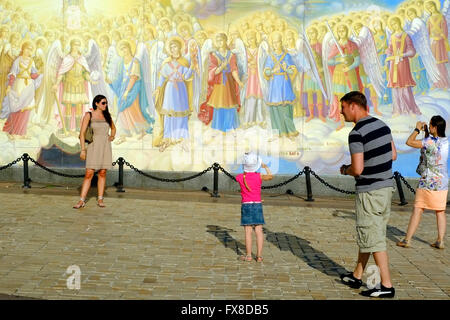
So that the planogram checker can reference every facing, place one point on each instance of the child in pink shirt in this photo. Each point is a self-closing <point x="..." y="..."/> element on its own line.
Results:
<point x="251" y="209"/>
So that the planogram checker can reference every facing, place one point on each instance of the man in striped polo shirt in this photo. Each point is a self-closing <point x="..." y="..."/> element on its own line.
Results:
<point x="372" y="152"/>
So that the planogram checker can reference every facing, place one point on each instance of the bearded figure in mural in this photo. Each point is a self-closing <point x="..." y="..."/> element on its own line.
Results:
<point x="23" y="80"/>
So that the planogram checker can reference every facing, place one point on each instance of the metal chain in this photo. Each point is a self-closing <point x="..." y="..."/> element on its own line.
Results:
<point x="264" y="187"/>
<point x="331" y="186"/>
<point x="285" y="182"/>
<point x="167" y="180"/>
<point x="10" y="164"/>
<point x="55" y="172"/>
<point x="227" y="173"/>
<point x="406" y="183"/>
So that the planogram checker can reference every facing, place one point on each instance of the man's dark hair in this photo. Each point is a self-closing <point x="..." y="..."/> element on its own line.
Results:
<point x="355" y="97"/>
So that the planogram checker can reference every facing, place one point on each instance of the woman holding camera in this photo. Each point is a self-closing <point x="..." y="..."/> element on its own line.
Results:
<point x="98" y="154"/>
<point x="432" y="191"/>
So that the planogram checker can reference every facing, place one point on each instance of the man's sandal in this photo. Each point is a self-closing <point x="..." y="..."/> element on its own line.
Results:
<point x="246" y="258"/>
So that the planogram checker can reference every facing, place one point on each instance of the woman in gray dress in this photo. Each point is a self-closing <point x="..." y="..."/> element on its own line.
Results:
<point x="97" y="154"/>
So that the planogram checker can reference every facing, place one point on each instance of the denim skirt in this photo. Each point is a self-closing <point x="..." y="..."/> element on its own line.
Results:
<point x="251" y="214"/>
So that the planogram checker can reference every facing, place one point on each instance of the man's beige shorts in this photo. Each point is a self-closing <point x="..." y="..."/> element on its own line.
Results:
<point x="373" y="209"/>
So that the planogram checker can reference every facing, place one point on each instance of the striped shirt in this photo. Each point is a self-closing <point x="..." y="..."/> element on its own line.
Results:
<point x="373" y="138"/>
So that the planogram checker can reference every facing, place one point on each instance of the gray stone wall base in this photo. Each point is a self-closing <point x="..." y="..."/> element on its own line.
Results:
<point x="135" y="180"/>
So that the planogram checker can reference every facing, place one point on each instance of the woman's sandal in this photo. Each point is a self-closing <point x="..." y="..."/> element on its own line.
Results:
<point x="246" y="258"/>
<point x="437" y="245"/>
<point x="100" y="204"/>
<point x="80" y="204"/>
<point x="259" y="259"/>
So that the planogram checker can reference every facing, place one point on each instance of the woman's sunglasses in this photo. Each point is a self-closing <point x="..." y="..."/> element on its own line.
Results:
<point x="104" y="103"/>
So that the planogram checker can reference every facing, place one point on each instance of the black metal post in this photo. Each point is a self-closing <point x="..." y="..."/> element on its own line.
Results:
<point x="399" y="188"/>
<point x="26" y="177"/>
<point x="119" y="184"/>
<point x="215" y="192"/>
<point x="309" y="196"/>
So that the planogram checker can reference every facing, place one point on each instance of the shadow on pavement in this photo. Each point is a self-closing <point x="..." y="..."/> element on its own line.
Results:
<point x="226" y="239"/>
<point x="392" y="233"/>
<point x="12" y="297"/>
<point x="300" y="248"/>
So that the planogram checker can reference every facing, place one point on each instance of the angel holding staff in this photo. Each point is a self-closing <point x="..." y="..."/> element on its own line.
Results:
<point x="174" y="96"/>
<point x="23" y="80"/>
<point x="134" y="114"/>
<point x="278" y="70"/>
<point x="223" y="86"/>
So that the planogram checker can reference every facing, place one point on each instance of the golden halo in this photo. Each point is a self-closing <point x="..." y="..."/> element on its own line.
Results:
<point x="341" y="24"/>
<point x="290" y="30"/>
<point x="395" y="17"/>
<point x="185" y="24"/>
<point x="75" y="39"/>
<point x="176" y="39"/>
<point x="415" y="8"/>
<point x="274" y="35"/>
<point x="250" y="32"/>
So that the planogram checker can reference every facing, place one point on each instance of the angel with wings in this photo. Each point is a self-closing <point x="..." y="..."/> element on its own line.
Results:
<point x="10" y="53"/>
<point x="423" y="65"/>
<point x="132" y="88"/>
<point x="370" y="71"/>
<point x="23" y="80"/>
<point x="253" y="105"/>
<point x="223" y="86"/>
<point x="315" y="85"/>
<point x="438" y="31"/>
<point x="277" y="70"/>
<point x="400" y="50"/>
<point x="70" y="80"/>
<point x="341" y="68"/>
<point x="174" y="96"/>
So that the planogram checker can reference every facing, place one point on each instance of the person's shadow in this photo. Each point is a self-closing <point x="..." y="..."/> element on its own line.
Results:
<point x="301" y="248"/>
<point x="392" y="233"/>
<point x="223" y="234"/>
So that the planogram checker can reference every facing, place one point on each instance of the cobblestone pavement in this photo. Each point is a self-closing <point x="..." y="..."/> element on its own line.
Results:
<point x="184" y="245"/>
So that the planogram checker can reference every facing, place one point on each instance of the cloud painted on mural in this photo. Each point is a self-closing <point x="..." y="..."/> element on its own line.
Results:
<point x="202" y="9"/>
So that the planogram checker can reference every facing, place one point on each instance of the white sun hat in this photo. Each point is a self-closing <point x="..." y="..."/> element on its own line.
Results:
<point x="251" y="162"/>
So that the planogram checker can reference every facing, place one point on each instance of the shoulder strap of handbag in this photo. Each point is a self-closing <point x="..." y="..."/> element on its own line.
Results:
<point x="90" y="117"/>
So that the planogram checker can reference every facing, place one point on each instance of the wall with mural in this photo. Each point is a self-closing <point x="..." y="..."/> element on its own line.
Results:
<point x="192" y="82"/>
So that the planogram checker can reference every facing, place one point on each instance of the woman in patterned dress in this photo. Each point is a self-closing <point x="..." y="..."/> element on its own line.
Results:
<point x="433" y="184"/>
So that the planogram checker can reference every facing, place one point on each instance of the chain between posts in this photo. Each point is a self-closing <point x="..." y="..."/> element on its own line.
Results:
<point x="167" y="180"/>
<point x="10" y="164"/>
<point x="55" y="172"/>
<point x="406" y="183"/>
<point x="331" y="186"/>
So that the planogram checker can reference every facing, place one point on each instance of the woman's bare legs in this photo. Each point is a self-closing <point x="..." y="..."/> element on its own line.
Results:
<point x="413" y="223"/>
<point x="85" y="187"/>
<point x="248" y="240"/>
<point x="101" y="186"/>
<point x="441" y="225"/>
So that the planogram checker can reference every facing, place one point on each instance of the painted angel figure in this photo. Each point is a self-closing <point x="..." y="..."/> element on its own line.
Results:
<point x="174" y="96"/>
<point x="371" y="72"/>
<point x="23" y="80"/>
<point x="277" y="69"/>
<point x="71" y="80"/>
<point x="10" y="53"/>
<point x="132" y="88"/>
<point x="417" y="30"/>
<point x="438" y="31"/>
<point x="400" y="50"/>
<point x="341" y="68"/>
<point x="253" y="104"/>
<point x="223" y="87"/>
